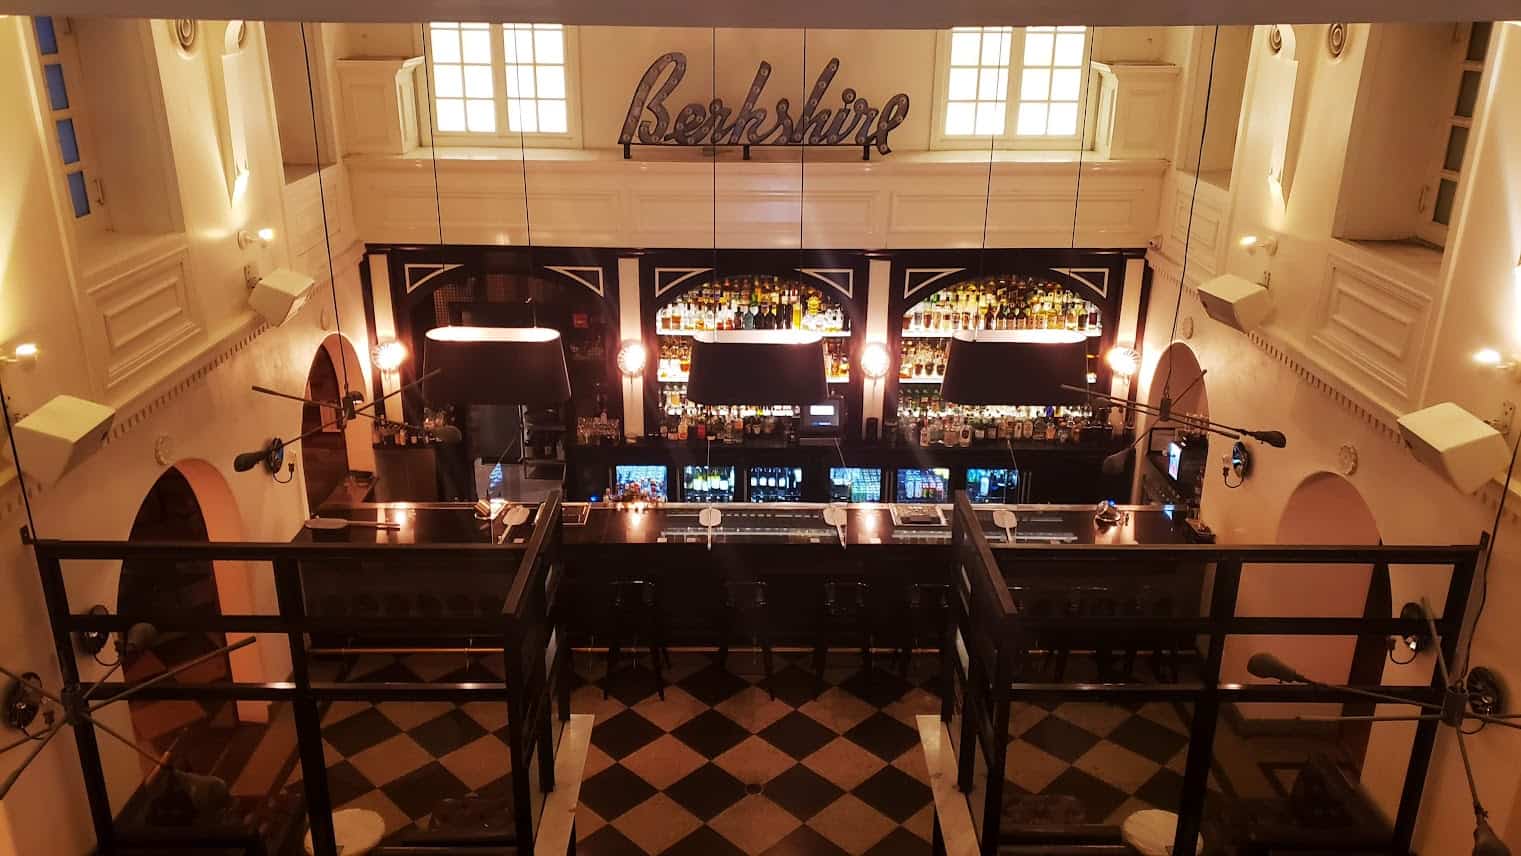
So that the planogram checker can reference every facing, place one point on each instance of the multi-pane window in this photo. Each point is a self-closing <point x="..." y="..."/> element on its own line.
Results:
<point x="493" y="82"/>
<point x="1441" y="193"/>
<point x="55" y="52"/>
<point x="1023" y="85"/>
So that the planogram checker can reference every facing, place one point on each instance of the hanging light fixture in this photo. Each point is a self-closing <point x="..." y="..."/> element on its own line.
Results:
<point x="632" y="357"/>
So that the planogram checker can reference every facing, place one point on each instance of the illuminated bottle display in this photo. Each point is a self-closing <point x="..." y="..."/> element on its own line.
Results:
<point x="1003" y="303"/>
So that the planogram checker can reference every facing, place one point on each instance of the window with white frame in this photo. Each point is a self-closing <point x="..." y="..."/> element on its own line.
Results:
<point x="502" y="82"/>
<point x="1439" y="196"/>
<point x="1022" y="86"/>
<point x="64" y="114"/>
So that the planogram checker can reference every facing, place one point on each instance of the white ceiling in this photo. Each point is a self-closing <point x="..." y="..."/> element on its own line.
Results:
<point x="845" y="14"/>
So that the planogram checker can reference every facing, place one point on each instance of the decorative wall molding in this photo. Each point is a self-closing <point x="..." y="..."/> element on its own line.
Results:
<point x="668" y="278"/>
<point x="417" y="274"/>
<point x="839" y="279"/>
<point x="140" y="315"/>
<point x="1373" y="328"/>
<point x="589" y="276"/>
<point x="918" y="279"/>
<point x="379" y="98"/>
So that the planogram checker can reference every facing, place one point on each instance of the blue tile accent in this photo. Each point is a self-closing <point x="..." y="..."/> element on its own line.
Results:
<point x="47" y="39"/>
<point x="79" y="193"/>
<point x="68" y="143"/>
<point x="58" y="93"/>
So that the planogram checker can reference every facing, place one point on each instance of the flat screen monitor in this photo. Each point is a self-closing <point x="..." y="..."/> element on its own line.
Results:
<point x="1174" y="460"/>
<point x="930" y="485"/>
<point x="855" y="484"/>
<point x="775" y="484"/>
<point x="992" y="485"/>
<point x="639" y="481"/>
<point x="708" y="484"/>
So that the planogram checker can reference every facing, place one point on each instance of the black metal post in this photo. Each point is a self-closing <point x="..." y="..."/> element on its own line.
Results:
<point x="319" y="806"/>
<point x="1201" y="742"/>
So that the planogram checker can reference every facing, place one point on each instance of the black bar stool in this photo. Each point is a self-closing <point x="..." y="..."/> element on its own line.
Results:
<point x="747" y="614"/>
<point x="929" y="613"/>
<point x="845" y="615"/>
<point x="636" y="617"/>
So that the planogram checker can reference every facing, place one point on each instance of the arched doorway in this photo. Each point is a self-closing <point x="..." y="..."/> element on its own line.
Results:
<point x="1174" y="460"/>
<point x="325" y="454"/>
<point x="187" y="731"/>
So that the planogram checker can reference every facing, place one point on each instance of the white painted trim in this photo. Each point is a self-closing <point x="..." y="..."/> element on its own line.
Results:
<point x="630" y="329"/>
<point x="879" y="285"/>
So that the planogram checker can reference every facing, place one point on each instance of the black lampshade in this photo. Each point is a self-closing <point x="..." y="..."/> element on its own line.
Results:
<point x="1006" y="368"/>
<point x="495" y="365"/>
<point x="757" y="367"/>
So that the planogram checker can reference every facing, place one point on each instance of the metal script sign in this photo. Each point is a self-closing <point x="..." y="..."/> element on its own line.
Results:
<point x="854" y="122"/>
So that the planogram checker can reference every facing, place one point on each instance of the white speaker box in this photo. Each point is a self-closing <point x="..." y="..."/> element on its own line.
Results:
<point x="280" y="294"/>
<point x="1458" y="445"/>
<point x="1236" y="302"/>
<point x="60" y="434"/>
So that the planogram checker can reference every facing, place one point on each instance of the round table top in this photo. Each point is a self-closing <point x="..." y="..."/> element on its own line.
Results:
<point x="357" y="831"/>
<point x="1151" y="832"/>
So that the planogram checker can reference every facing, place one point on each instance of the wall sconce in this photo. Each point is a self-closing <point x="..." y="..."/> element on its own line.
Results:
<point x="389" y="355"/>
<point x="240" y="183"/>
<point x="261" y="238"/>
<point x="1489" y="358"/>
<point x="1123" y="361"/>
<point x="1415" y="642"/>
<point x="1253" y="243"/>
<point x="23" y="700"/>
<point x="875" y="361"/>
<point x="24" y="354"/>
<point x="632" y="357"/>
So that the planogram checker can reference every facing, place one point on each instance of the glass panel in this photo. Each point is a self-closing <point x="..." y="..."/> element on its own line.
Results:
<point x="987" y="85"/>
<point x="990" y="117"/>
<point x="1069" y="49"/>
<point x="1032" y="120"/>
<point x="1457" y="144"/>
<point x="1446" y="192"/>
<point x="478" y="83"/>
<point x="445" y="41"/>
<point x="1062" y="120"/>
<point x="525" y="81"/>
<point x="960" y="117"/>
<point x="551" y="81"/>
<point x="1035" y="83"/>
<point x="68" y="144"/>
<point x="965" y="47"/>
<point x="1038" y="48"/>
<point x="79" y="194"/>
<point x="1468" y="94"/>
<point x="524" y="45"/>
<point x="549" y="45"/>
<point x="47" y="39"/>
<point x="1478" y="41"/>
<point x="1065" y="84"/>
<point x="446" y="82"/>
<point x="995" y="47"/>
<point x="58" y="92"/>
<point x="963" y="84"/>
<point x="476" y="46"/>
<point x="552" y="116"/>
<point x="523" y="116"/>
<point x="480" y="116"/>
<point x="451" y="114"/>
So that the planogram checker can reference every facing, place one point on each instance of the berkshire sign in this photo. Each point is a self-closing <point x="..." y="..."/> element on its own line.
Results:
<point x="855" y="122"/>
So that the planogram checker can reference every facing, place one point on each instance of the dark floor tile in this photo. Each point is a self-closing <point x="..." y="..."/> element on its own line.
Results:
<point x="501" y="789"/>
<point x="710" y="733"/>
<point x="1144" y="737"/>
<point x="614" y="791"/>
<point x="705" y="792"/>
<point x="802" y="792"/>
<point x="418" y="792"/>
<point x="797" y="734"/>
<point x="794" y="685"/>
<point x="1099" y="799"/>
<point x="805" y="842"/>
<point x="900" y="842"/>
<point x="395" y="673"/>
<point x="624" y="734"/>
<point x="704" y="842"/>
<point x="1162" y="790"/>
<point x="879" y="688"/>
<point x="894" y="793"/>
<point x="630" y="685"/>
<point x="711" y="685"/>
<point x="344" y="783"/>
<point x="607" y="841"/>
<point x="883" y="736"/>
<point x="1056" y="736"/>
<point x="359" y="732"/>
<point x="447" y="733"/>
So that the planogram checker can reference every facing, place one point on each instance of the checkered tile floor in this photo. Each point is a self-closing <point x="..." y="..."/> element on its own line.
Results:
<point x="832" y="765"/>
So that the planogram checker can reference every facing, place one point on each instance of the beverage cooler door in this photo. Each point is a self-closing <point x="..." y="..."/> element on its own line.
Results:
<point x="997" y="485"/>
<point x="855" y="484"/>
<point x="922" y="485"/>
<point x="640" y="483"/>
<point x="709" y="484"/>
<point x="775" y="484"/>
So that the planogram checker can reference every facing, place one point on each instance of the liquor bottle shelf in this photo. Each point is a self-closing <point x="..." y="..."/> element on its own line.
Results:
<point x="666" y="377"/>
<point x="926" y="379"/>
<point x="1035" y="336"/>
<point x="781" y="334"/>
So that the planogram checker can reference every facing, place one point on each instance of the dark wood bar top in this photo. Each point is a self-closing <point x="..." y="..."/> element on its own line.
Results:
<point x="414" y="523"/>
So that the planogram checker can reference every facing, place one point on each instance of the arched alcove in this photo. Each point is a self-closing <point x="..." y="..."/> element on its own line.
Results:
<point x="1179" y="377"/>
<point x="329" y="456"/>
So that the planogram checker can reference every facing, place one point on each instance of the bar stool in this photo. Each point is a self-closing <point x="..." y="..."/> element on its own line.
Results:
<point x="845" y="614"/>
<point x="636" y="617"/>
<point x="929" y="612"/>
<point x="747" y="613"/>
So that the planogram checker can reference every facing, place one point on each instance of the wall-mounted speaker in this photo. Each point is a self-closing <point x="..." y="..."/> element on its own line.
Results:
<point x="1458" y="445"/>
<point x="279" y="295"/>
<point x="55" y="437"/>
<point x="1236" y="302"/>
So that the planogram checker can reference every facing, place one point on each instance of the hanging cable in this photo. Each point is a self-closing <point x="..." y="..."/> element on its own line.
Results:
<point x="327" y="235"/>
<point x="10" y="433"/>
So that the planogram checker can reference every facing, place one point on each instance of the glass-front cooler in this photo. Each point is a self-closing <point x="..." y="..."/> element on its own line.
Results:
<point x="923" y="485"/>
<point x="639" y="482"/>
<point x="709" y="484"/>
<point x="775" y="484"/>
<point x="998" y="485"/>
<point x="855" y="484"/>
